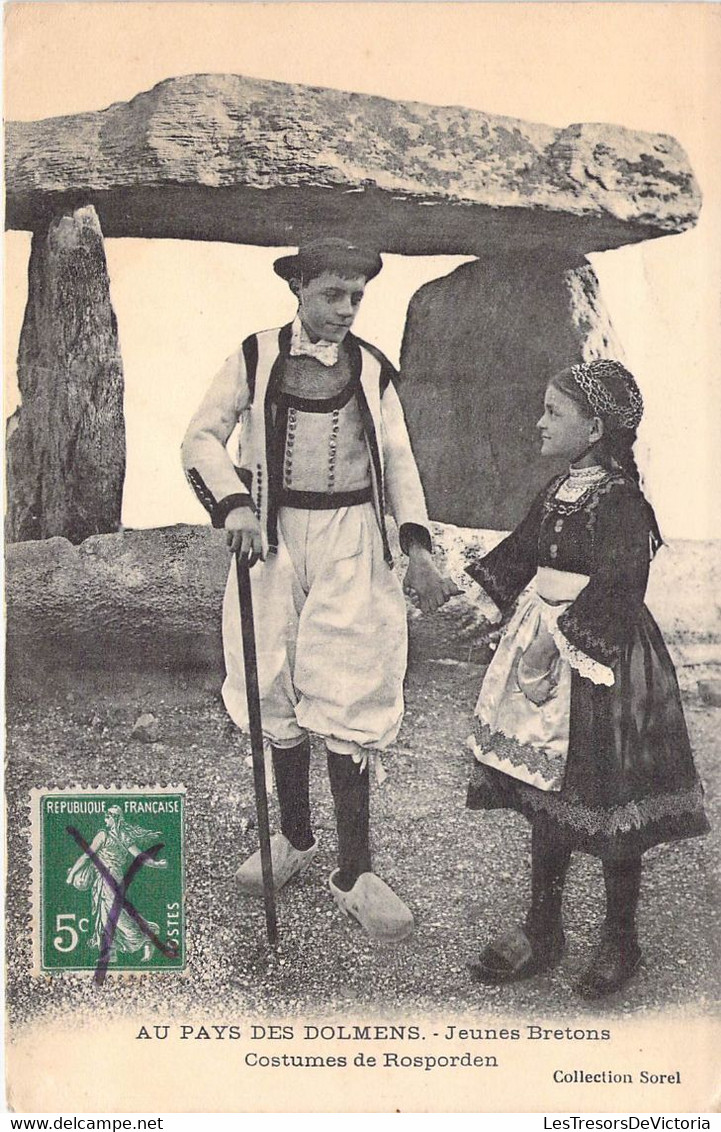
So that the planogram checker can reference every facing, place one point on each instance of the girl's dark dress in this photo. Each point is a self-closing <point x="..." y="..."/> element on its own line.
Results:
<point x="629" y="779"/>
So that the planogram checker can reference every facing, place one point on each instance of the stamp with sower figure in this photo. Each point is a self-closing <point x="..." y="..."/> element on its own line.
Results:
<point x="108" y="880"/>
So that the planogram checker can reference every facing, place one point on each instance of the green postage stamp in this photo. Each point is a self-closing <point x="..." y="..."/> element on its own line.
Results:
<point x="108" y="880"/>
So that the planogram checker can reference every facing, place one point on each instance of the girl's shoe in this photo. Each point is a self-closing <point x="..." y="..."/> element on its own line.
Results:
<point x="615" y="961"/>
<point x="514" y="956"/>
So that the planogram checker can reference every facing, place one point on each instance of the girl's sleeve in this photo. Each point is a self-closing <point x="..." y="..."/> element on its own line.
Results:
<point x="509" y="567"/>
<point x="593" y="629"/>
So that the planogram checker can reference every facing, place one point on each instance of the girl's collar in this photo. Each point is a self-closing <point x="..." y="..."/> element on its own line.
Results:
<point x="587" y="474"/>
<point x="573" y="489"/>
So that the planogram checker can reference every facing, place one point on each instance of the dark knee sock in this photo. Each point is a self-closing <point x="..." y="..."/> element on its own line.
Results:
<point x="549" y="865"/>
<point x="291" y="766"/>
<point x="623" y="885"/>
<point x="350" y="788"/>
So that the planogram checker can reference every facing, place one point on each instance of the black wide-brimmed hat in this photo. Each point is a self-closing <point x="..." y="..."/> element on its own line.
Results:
<point x="329" y="254"/>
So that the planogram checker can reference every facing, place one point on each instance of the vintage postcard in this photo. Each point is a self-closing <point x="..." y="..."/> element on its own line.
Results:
<point x="362" y="557"/>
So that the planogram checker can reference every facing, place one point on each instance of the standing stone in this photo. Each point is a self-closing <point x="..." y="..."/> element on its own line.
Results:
<point x="478" y="349"/>
<point x="66" y="442"/>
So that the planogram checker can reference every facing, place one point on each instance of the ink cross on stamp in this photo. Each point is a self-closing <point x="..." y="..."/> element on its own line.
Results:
<point x="108" y="880"/>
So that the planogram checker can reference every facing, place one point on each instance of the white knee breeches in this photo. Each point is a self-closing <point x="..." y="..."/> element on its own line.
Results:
<point x="331" y="633"/>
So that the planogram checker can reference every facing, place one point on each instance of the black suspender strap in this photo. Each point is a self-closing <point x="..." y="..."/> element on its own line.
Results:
<point x="250" y="356"/>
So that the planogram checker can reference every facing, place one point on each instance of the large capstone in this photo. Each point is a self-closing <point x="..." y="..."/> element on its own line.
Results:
<point x="478" y="349"/>
<point x="66" y="442"/>
<point x="223" y="157"/>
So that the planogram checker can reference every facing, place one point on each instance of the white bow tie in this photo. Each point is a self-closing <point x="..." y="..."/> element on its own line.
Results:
<point x="301" y="346"/>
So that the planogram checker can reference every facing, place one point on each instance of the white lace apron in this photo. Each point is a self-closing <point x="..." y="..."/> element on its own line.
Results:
<point x="524" y="740"/>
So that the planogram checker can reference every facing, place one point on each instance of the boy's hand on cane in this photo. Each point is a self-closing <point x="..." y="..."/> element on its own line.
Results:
<point x="424" y="583"/>
<point x="242" y="533"/>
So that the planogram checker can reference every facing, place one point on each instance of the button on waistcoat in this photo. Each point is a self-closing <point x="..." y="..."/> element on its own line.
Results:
<point x="325" y="451"/>
<point x="325" y="448"/>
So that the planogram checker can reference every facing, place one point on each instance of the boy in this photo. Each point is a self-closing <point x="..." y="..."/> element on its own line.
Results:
<point x="323" y="445"/>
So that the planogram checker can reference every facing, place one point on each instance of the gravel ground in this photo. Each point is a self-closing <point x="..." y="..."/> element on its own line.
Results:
<point x="464" y="875"/>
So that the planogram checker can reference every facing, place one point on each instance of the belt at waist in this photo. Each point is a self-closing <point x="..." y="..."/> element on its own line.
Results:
<point x="323" y="501"/>
<point x="559" y="585"/>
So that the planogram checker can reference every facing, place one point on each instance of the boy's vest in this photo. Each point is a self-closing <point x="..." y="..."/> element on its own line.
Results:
<point x="261" y="470"/>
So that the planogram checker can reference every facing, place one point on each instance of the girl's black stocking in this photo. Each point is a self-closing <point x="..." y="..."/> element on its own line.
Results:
<point x="623" y="883"/>
<point x="350" y="788"/>
<point x="617" y="956"/>
<point x="549" y="865"/>
<point x="291" y="766"/>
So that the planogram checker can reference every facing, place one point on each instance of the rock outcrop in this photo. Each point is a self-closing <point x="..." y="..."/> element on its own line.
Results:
<point x="152" y="600"/>
<point x="223" y="157"/>
<point x="66" y="442"/>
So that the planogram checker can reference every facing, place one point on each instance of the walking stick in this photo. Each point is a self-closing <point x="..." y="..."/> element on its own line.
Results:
<point x="256" y="742"/>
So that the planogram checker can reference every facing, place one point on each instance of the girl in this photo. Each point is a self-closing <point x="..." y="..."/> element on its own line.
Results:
<point x="579" y="723"/>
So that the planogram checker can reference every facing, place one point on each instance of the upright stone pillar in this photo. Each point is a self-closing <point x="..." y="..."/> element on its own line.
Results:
<point x="66" y="442"/>
<point x="478" y="349"/>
